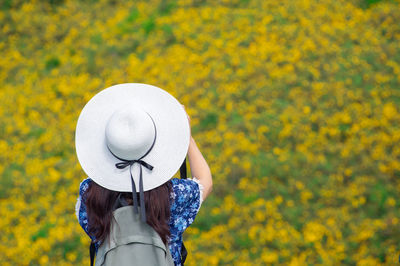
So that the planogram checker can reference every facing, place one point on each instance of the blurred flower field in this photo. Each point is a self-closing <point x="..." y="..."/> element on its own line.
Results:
<point x="294" y="104"/>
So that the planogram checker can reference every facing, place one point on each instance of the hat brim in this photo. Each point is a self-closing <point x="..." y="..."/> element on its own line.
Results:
<point x="167" y="154"/>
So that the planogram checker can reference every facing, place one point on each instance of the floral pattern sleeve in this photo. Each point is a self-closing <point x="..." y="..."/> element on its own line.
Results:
<point x="80" y="209"/>
<point x="186" y="199"/>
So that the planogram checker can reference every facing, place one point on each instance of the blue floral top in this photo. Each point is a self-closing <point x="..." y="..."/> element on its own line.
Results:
<point x="186" y="199"/>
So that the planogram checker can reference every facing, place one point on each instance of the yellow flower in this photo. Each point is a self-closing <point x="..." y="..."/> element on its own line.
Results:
<point x="269" y="257"/>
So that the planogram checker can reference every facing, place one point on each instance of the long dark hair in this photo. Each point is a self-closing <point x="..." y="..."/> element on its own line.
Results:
<point x="100" y="206"/>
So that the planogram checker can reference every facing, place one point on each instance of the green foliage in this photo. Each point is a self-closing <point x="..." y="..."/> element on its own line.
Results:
<point x="209" y="121"/>
<point x="149" y="25"/>
<point x="52" y="62"/>
<point x="43" y="232"/>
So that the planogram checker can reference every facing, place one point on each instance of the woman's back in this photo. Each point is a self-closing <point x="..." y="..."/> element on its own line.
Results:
<point x="185" y="202"/>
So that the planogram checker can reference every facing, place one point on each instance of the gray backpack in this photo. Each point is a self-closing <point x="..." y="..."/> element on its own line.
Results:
<point x="132" y="242"/>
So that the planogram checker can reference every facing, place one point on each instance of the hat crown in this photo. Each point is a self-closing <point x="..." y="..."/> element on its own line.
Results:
<point x="130" y="133"/>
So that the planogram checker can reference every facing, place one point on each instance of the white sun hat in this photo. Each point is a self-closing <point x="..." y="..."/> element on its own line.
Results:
<point x="132" y="136"/>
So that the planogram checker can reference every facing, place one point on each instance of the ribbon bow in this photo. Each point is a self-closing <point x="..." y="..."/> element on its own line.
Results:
<point x="141" y="163"/>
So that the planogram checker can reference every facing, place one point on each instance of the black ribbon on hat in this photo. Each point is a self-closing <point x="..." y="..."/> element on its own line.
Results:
<point x="125" y="163"/>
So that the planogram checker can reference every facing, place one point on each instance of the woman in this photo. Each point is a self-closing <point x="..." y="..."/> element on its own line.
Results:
<point x="137" y="134"/>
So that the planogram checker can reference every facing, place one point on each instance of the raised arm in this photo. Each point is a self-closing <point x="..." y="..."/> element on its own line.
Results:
<point x="199" y="168"/>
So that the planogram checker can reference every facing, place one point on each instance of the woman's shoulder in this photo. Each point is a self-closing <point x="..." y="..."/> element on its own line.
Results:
<point x="178" y="182"/>
<point x="185" y="204"/>
<point x="187" y="188"/>
<point x="84" y="185"/>
<point x="185" y="195"/>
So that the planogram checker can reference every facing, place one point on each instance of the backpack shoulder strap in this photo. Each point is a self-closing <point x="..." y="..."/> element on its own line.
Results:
<point x="183" y="253"/>
<point x="183" y="174"/>
<point x="92" y="251"/>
